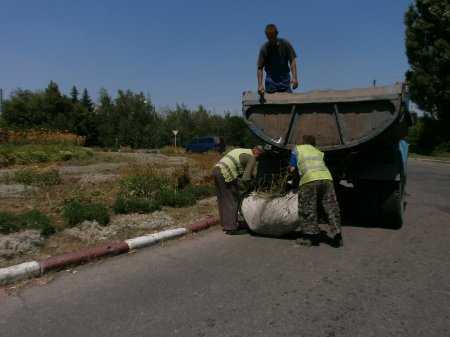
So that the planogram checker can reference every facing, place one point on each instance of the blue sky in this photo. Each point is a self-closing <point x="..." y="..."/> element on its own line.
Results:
<point x="196" y="52"/>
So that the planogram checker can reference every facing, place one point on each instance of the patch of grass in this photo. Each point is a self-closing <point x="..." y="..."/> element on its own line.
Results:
<point x="11" y="154"/>
<point x="172" y="151"/>
<point x="146" y="189"/>
<point x="144" y="182"/>
<point x="37" y="178"/>
<point x="124" y="205"/>
<point x="75" y="212"/>
<point x="202" y="191"/>
<point x="10" y="223"/>
<point x="176" y="198"/>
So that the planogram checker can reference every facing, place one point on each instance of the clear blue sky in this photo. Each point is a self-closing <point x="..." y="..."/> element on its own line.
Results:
<point x="196" y="51"/>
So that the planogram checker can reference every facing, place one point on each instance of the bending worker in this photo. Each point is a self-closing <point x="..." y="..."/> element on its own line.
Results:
<point x="232" y="176"/>
<point x="316" y="190"/>
<point x="278" y="58"/>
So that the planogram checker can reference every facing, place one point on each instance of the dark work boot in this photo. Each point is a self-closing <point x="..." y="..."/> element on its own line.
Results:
<point x="337" y="241"/>
<point x="237" y="231"/>
<point x="308" y="240"/>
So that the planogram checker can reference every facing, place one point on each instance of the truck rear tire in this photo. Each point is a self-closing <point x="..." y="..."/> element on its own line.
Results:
<point x="380" y="203"/>
<point x="393" y="205"/>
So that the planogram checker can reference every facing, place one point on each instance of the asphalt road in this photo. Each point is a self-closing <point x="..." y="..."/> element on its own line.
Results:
<point x="382" y="283"/>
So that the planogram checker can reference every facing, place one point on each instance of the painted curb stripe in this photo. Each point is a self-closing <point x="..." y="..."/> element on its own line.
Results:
<point x="58" y="262"/>
<point x="19" y="272"/>
<point x="202" y="225"/>
<point x="37" y="268"/>
<point x="149" y="240"/>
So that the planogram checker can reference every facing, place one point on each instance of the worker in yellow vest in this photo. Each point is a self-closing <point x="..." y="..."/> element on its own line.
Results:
<point x="316" y="190"/>
<point x="232" y="176"/>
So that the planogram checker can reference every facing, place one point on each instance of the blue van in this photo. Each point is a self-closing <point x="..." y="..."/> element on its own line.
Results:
<point x="205" y="144"/>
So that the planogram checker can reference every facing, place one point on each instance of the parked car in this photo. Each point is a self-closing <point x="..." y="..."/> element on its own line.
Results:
<point x="204" y="144"/>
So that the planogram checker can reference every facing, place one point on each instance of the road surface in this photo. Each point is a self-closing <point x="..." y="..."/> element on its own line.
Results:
<point x="382" y="283"/>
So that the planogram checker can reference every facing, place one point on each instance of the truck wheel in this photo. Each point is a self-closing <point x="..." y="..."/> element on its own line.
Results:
<point x="392" y="206"/>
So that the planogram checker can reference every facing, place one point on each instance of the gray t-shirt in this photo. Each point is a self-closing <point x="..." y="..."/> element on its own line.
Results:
<point x="275" y="58"/>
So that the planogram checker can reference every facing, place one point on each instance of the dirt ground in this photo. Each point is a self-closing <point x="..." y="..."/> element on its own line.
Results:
<point x="97" y="180"/>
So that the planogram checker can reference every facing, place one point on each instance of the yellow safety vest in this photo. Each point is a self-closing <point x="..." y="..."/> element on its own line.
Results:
<point x="311" y="165"/>
<point x="230" y="165"/>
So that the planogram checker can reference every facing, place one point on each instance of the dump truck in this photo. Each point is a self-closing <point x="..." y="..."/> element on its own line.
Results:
<point x="361" y="131"/>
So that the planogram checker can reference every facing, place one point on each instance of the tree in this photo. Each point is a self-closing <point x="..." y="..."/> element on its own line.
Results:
<point x="428" y="50"/>
<point x="74" y="94"/>
<point x="86" y="101"/>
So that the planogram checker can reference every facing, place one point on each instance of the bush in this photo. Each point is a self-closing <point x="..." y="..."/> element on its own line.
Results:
<point x="75" y="212"/>
<point x="37" y="220"/>
<point x="34" y="177"/>
<point x="443" y="148"/>
<point x="10" y="223"/>
<point x="40" y="136"/>
<point x="124" y="205"/>
<point x="11" y="154"/>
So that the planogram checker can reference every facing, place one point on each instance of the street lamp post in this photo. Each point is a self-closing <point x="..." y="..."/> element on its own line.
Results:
<point x="175" y="133"/>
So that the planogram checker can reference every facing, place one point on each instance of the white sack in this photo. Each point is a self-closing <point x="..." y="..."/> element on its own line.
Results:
<point x="271" y="216"/>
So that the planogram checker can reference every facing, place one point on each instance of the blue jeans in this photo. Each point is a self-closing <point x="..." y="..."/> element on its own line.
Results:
<point x="282" y="84"/>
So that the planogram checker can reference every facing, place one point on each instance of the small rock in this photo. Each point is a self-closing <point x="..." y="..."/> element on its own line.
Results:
<point x="97" y="178"/>
<point x="15" y="190"/>
<point x="91" y="231"/>
<point x="16" y="244"/>
<point x="208" y="202"/>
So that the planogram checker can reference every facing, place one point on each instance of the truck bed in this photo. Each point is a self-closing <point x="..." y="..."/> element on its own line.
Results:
<point x="339" y="119"/>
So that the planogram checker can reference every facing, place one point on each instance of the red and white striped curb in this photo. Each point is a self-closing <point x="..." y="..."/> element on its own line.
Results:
<point x="38" y="268"/>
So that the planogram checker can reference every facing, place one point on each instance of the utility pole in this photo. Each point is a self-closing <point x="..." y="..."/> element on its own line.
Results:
<point x="1" y="101"/>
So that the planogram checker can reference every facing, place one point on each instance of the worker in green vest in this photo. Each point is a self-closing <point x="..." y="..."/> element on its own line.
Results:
<point x="316" y="190"/>
<point x="232" y="176"/>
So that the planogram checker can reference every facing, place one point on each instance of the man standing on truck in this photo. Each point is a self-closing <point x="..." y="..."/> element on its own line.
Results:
<point x="232" y="176"/>
<point x="275" y="57"/>
<point x="316" y="190"/>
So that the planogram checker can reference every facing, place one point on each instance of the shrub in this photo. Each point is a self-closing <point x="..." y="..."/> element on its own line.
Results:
<point x="37" y="220"/>
<point x="11" y="154"/>
<point x="8" y="223"/>
<point x="34" y="177"/>
<point x="40" y="136"/>
<point x="442" y="148"/>
<point x="75" y="212"/>
<point x="34" y="219"/>
<point x="124" y="205"/>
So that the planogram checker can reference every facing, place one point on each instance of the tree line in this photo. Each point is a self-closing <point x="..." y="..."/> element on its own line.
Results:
<point x="129" y="119"/>
<point x="428" y="50"/>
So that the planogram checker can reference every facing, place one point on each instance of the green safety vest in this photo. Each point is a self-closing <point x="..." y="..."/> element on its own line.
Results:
<point x="230" y="165"/>
<point x="311" y="165"/>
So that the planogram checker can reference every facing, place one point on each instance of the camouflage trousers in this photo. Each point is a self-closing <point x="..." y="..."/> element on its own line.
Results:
<point x="313" y="197"/>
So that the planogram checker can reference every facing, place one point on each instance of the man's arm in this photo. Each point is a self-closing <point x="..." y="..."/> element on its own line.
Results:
<point x="294" y="81"/>
<point x="293" y="162"/>
<point x="260" y="74"/>
<point x="249" y="168"/>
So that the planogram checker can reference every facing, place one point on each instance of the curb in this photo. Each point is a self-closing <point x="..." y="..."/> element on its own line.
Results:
<point x="431" y="160"/>
<point x="38" y="268"/>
